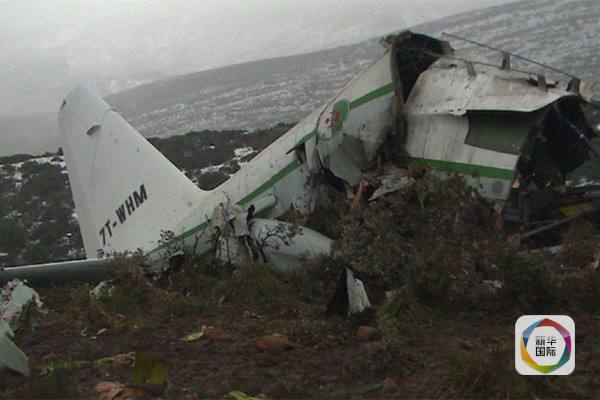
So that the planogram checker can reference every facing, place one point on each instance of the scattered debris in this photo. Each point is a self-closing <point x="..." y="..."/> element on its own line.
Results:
<point x="109" y="390"/>
<point x="112" y="390"/>
<point x="51" y="368"/>
<point x="237" y="395"/>
<point x="104" y="288"/>
<point x="391" y="180"/>
<point x="150" y="377"/>
<point x="150" y="370"/>
<point x="350" y="296"/>
<point x="11" y="356"/>
<point x="15" y="300"/>
<point x="195" y="336"/>
<point x="18" y="305"/>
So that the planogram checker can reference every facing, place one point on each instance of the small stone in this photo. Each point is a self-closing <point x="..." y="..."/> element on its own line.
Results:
<point x="275" y="343"/>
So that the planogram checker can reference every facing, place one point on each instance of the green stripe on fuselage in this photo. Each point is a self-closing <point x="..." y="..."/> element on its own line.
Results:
<point x="270" y="182"/>
<point x="253" y="195"/>
<point x="374" y="95"/>
<point x="464" y="169"/>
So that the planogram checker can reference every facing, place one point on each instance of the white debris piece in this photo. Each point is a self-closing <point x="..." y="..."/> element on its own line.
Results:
<point x="102" y="289"/>
<point x="358" y="300"/>
<point x="15" y="298"/>
<point x="242" y="152"/>
<point x="392" y="180"/>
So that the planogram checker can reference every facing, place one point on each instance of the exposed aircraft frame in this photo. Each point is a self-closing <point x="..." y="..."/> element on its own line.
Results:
<point x="512" y="134"/>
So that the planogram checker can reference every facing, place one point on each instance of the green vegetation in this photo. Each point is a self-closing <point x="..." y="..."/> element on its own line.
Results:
<point x="198" y="150"/>
<point x="36" y="208"/>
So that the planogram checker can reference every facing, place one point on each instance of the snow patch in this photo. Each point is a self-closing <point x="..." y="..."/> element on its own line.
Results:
<point x="211" y="168"/>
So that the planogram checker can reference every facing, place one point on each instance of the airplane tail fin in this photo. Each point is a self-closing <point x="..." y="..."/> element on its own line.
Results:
<point x="126" y="192"/>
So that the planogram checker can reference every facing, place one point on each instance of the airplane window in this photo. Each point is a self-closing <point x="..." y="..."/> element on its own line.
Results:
<point x="501" y="132"/>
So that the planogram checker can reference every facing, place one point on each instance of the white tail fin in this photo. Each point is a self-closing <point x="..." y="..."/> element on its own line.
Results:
<point x="125" y="190"/>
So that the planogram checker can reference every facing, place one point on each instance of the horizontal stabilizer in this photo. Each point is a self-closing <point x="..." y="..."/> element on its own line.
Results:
<point x="92" y="270"/>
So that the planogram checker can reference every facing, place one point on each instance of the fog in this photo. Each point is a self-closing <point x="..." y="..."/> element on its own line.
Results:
<point x="46" y="47"/>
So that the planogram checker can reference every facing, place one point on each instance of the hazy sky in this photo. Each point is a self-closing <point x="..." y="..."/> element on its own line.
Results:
<point x="48" y="46"/>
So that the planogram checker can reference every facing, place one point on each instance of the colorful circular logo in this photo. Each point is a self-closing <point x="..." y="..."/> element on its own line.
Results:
<point x="338" y="114"/>
<point x="525" y="339"/>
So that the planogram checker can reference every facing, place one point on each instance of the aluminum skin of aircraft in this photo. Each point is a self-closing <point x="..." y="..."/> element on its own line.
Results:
<point x="510" y="133"/>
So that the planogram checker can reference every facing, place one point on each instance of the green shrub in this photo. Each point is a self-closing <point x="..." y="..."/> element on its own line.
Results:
<point x="580" y="244"/>
<point x="12" y="235"/>
<point x="435" y="238"/>
<point x="255" y="285"/>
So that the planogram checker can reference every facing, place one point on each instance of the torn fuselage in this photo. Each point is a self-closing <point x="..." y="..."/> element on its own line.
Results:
<point x="513" y="135"/>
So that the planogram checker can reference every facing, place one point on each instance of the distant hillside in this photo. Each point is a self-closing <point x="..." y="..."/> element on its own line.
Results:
<point x="561" y="33"/>
<point x="249" y="96"/>
<point x="259" y="94"/>
<point x="254" y="95"/>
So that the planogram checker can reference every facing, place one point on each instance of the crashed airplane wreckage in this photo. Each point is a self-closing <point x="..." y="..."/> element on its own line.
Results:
<point x="512" y="134"/>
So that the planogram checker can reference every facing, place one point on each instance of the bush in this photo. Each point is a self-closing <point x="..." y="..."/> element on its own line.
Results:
<point x="255" y="285"/>
<point x="436" y="239"/>
<point x="580" y="244"/>
<point x="12" y="235"/>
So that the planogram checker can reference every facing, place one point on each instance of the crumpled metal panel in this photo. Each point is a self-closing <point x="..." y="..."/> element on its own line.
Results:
<point x="353" y="126"/>
<point x="15" y="297"/>
<point x="442" y="137"/>
<point x="358" y="300"/>
<point x="287" y="245"/>
<point x="391" y="180"/>
<point x="439" y="139"/>
<point x="447" y="88"/>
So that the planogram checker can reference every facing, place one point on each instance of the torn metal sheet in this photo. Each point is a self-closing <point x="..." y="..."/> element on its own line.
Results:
<point x="447" y="88"/>
<point x="11" y="356"/>
<point x="358" y="300"/>
<point x="513" y="136"/>
<point x="439" y="141"/>
<point x="353" y="126"/>
<point x="350" y="296"/>
<point x="391" y="180"/>
<point x="285" y="245"/>
<point x="16" y="299"/>
<point x="241" y="237"/>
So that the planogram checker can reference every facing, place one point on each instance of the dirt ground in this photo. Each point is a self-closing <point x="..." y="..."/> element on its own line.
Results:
<point x="425" y="353"/>
<point x="456" y="288"/>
